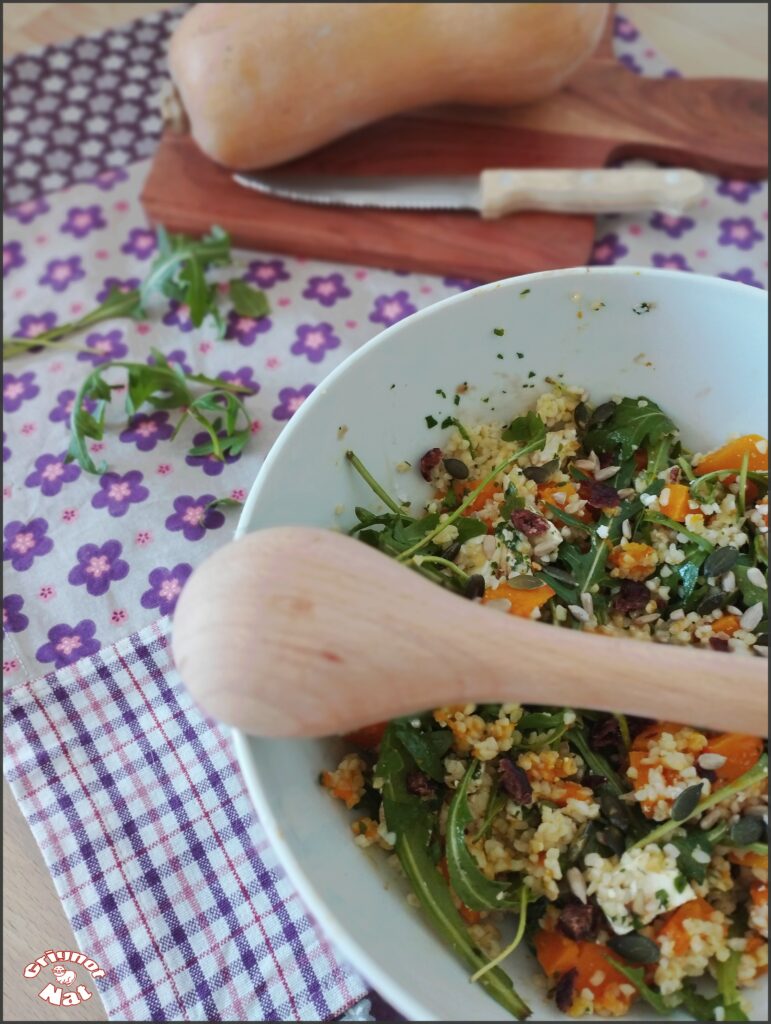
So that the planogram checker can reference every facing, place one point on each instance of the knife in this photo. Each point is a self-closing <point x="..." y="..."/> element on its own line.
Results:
<point x="496" y="193"/>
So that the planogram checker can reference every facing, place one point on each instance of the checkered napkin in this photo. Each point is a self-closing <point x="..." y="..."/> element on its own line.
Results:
<point x="168" y="879"/>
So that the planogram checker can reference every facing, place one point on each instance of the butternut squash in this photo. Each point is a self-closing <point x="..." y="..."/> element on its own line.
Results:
<point x="264" y="83"/>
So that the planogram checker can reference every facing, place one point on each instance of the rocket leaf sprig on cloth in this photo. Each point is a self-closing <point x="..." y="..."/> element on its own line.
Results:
<point x="178" y="272"/>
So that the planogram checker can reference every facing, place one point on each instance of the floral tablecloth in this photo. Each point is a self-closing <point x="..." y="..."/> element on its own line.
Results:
<point x="93" y="562"/>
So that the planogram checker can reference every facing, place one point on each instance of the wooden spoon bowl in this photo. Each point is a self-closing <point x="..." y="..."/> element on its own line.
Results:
<point x="294" y="631"/>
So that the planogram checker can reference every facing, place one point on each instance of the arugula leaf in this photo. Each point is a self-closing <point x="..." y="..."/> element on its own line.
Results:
<point x="751" y="592"/>
<point x="598" y="764"/>
<point x="587" y="567"/>
<point x="527" y="428"/>
<point x="407" y="818"/>
<point x="693" y="870"/>
<point x="468" y="528"/>
<point x="630" y="426"/>
<point x="248" y="301"/>
<point x="688" y="571"/>
<point x="426" y="748"/>
<point x="466" y="878"/>
<point x="678" y="528"/>
<point x="636" y="977"/>
<point x="631" y="508"/>
<point x="726" y="976"/>
<point x="161" y="386"/>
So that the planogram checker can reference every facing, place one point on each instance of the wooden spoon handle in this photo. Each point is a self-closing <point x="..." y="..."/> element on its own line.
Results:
<point x="305" y="632"/>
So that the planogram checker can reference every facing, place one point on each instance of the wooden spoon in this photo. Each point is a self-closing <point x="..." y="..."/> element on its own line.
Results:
<point x="305" y="632"/>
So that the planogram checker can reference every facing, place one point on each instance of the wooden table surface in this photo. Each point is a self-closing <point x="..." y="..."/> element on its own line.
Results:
<point x="699" y="39"/>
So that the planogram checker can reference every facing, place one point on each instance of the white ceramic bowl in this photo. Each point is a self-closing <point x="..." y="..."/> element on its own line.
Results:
<point x="696" y="345"/>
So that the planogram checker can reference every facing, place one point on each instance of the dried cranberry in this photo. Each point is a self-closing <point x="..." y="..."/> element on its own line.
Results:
<point x="578" y="921"/>
<point x="602" y="495"/>
<point x="606" y="459"/>
<point x="632" y="596"/>
<point x="429" y="461"/>
<point x="419" y="784"/>
<point x="529" y="523"/>
<point x="563" y="993"/>
<point x="637" y="724"/>
<point x="593" y="781"/>
<point x="674" y="474"/>
<point x="606" y="734"/>
<point x="514" y="782"/>
<point x="719" y="643"/>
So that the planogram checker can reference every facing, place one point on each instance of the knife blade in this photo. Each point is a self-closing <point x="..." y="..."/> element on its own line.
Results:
<point x="496" y="192"/>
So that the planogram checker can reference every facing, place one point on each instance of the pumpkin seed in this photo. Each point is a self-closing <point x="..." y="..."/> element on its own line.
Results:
<point x="613" y="839"/>
<point x="452" y="552"/>
<point x="636" y="948"/>
<point x="713" y="600"/>
<point x="524" y="583"/>
<point x="475" y="587"/>
<point x="613" y="809"/>
<point x="540" y="473"/>
<point x="720" y="561"/>
<point x="562" y="575"/>
<point x="747" y="830"/>
<point x="602" y="413"/>
<point x="686" y="802"/>
<point x="581" y="416"/>
<point x="458" y="470"/>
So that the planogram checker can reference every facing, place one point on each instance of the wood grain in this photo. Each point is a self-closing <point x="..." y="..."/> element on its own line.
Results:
<point x="282" y="659"/>
<point x="604" y="113"/>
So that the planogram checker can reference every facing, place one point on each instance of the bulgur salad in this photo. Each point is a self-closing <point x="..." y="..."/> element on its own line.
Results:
<point x="630" y="856"/>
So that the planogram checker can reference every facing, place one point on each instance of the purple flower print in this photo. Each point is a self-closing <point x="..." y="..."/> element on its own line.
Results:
<point x="290" y="401"/>
<point x="741" y="191"/>
<point x="178" y="316"/>
<point x="464" y="284"/>
<point x="14" y="621"/>
<point x="165" y="587"/>
<point x="672" y="226"/>
<point x="630" y="63"/>
<point x="146" y="430"/>
<point x="63" y="408"/>
<point x="744" y="275"/>
<point x="624" y="29"/>
<point x="244" y="329"/>
<point x="12" y="257"/>
<point x="24" y="542"/>
<point x="192" y="518"/>
<point x="61" y="273"/>
<point x="673" y="261"/>
<point x="211" y="465"/>
<point x="672" y="73"/>
<point x="82" y="220"/>
<point x="243" y="378"/>
<point x="389" y="309"/>
<point x="739" y="231"/>
<point x="105" y="347"/>
<point x="607" y="250"/>
<point x="32" y="324"/>
<point x="98" y="567"/>
<point x="52" y="473"/>
<point x="66" y="644"/>
<point x="107" y="180"/>
<point x="6" y="451"/>
<point x="327" y="290"/>
<point x="313" y="341"/>
<point x="18" y="389"/>
<point x="266" y="273"/>
<point x="111" y="284"/>
<point x="116" y="493"/>
<point x="141" y="242"/>
<point x="178" y="356"/>
<point x="27" y="211"/>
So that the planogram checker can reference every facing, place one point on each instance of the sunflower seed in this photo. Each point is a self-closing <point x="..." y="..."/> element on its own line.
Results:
<point x="711" y="761"/>
<point x="756" y="578"/>
<point x="752" y="617"/>
<point x="578" y="613"/>
<point x="577" y="884"/>
<point x="728" y="583"/>
<point x="605" y="474"/>
<point x="626" y="529"/>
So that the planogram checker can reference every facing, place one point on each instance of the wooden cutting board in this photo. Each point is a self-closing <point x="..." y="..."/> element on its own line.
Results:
<point x="604" y="114"/>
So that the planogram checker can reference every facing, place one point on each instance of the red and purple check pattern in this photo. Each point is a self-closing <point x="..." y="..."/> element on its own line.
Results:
<point x="166" y="875"/>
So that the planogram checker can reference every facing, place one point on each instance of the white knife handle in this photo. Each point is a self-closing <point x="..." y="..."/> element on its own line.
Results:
<point x="602" y="191"/>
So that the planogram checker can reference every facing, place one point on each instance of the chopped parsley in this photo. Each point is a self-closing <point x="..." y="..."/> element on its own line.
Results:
<point x="430" y="422"/>
<point x="498" y="332"/>
<point x="525" y="291"/>
<point x="442" y="394"/>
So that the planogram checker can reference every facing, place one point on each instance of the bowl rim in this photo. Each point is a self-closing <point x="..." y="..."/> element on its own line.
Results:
<point x="390" y="988"/>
